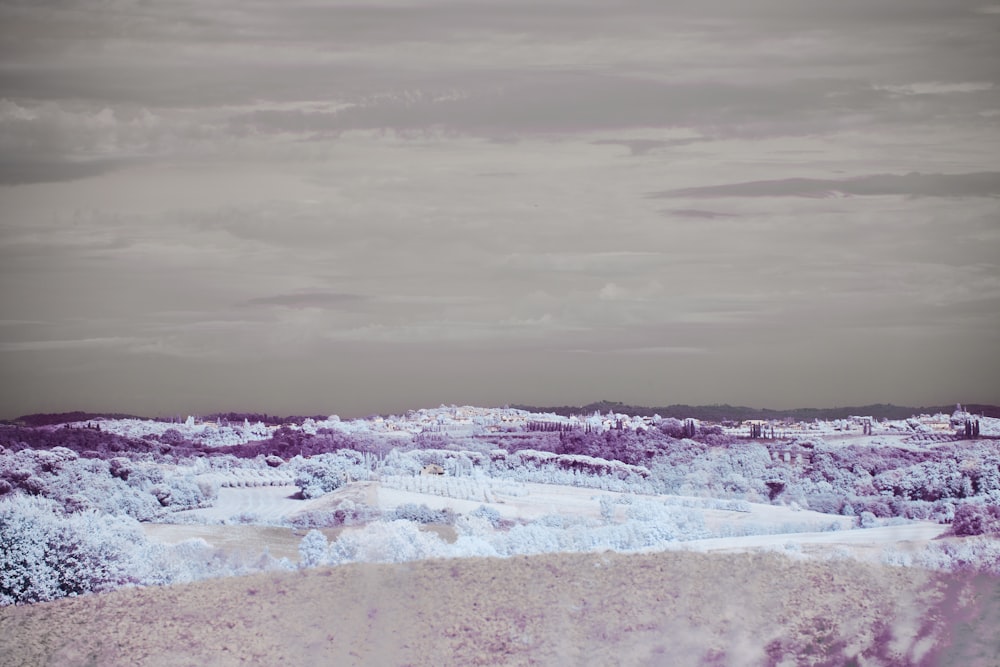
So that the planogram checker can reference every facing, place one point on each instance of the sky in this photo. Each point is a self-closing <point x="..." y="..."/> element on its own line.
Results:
<point x="325" y="207"/>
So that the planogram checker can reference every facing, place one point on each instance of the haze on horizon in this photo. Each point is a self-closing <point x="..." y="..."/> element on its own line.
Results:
<point x="314" y="208"/>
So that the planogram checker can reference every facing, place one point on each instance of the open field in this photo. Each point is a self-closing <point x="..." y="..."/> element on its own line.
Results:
<point x="865" y="544"/>
<point x="605" y="609"/>
<point x="248" y="541"/>
<point x="527" y="502"/>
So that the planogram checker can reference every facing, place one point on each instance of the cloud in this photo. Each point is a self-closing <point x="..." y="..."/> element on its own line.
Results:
<point x="77" y="344"/>
<point x="51" y="142"/>
<point x="496" y="70"/>
<point x="658" y="350"/>
<point x="506" y="103"/>
<point x="499" y="104"/>
<point x="612" y="292"/>
<point x="938" y="87"/>
<point x="594" y="263"/>
<point x="126" y="344"/>
<point x="20" y="172"/>
<point x="696" y="213"/>
<point x="324" y="300"/>
<point x="976" y="184"/>
<point x="454" y="331"/>
<point x="644" y="146"/>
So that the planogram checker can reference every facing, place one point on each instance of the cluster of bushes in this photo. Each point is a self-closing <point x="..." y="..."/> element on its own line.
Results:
<point x="637" y="447"/>
<point x="422" y="514"/>
<point x="977" y="519"/>
<point x="47" y="553"/>
<point x="44" y="556"/>
<point x="346" y="513"/>
<point x="397" y="539"/>
<point x="84" y="441"/>
<point x="895" y="482"/>
<point x="321" y="474"/>
<point x="115" y="486"/>
<point x="488" y="514"/>
<point x="976" y="554"/>
<point x="882" y="480"/>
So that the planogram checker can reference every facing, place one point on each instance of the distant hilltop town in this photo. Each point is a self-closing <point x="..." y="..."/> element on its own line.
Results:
<point x="483" y="422"/>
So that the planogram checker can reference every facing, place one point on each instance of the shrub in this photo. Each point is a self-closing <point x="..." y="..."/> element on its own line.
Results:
<point x="974" y="519"/>
<point x="828" y="503"/>
<point x="672" y="427"/>
<point x="45" y="555"/>
<point x="490" y="514"/>
<point x="421" y="514"/>
<point x="313" y="549"/>
<point x="120" y="467"/>
<point x="316" y="478"/>
<point x="386" y="542"/>
<point x="346" y="513"/>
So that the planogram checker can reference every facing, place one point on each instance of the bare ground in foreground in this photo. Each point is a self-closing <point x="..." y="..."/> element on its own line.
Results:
<point x="670" y="608"/>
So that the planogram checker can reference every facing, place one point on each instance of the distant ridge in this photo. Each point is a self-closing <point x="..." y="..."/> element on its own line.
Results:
<point x="52" y="418"/>
<point x="715" y="413"/>
<point x="738" y="412"/>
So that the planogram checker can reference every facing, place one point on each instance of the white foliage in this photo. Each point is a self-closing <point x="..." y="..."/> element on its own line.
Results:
<point x="45" y="554"/>
<point x="313" y="549"/>
<point x="211" y="436"/>
<point x="386" y="542"/>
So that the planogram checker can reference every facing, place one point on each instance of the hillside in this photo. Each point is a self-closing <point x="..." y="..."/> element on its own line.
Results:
<point x="585" y="609"/>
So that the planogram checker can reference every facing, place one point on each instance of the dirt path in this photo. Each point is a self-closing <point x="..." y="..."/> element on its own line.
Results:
<point x="556" y="609"/>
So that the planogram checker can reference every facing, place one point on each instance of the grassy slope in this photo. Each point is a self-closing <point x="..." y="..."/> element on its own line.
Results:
<point x="557" y="609"/>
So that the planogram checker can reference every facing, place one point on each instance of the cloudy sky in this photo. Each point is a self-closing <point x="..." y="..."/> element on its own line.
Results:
<point x="313" y="206"/>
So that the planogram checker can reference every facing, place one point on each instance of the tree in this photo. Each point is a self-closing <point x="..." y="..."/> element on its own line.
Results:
<point x="45" y="555"/>
<point x="975" y="519"/>
<point x="313" y="549"/>
<point x="317" y="477"/>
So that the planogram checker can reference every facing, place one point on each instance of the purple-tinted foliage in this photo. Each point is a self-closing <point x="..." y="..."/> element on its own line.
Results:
<point x="631" y="447"/>
<point x="79" y="440"/>
<point x="886" y="480"/>
<point x="287" y="443"/>
<point x="175" y="438"/>
<point x="948" y="471"/>
<point x="672" y="427"/>
<point x="976" y="519"/>
<point x="873" y="459"/>
<point x="254" y="417"/>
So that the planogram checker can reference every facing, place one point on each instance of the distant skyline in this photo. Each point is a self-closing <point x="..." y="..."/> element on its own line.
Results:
<point x="337" y="208"/>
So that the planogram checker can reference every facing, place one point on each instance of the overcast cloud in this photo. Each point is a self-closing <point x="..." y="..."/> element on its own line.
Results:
<point x="357" y="208"/>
